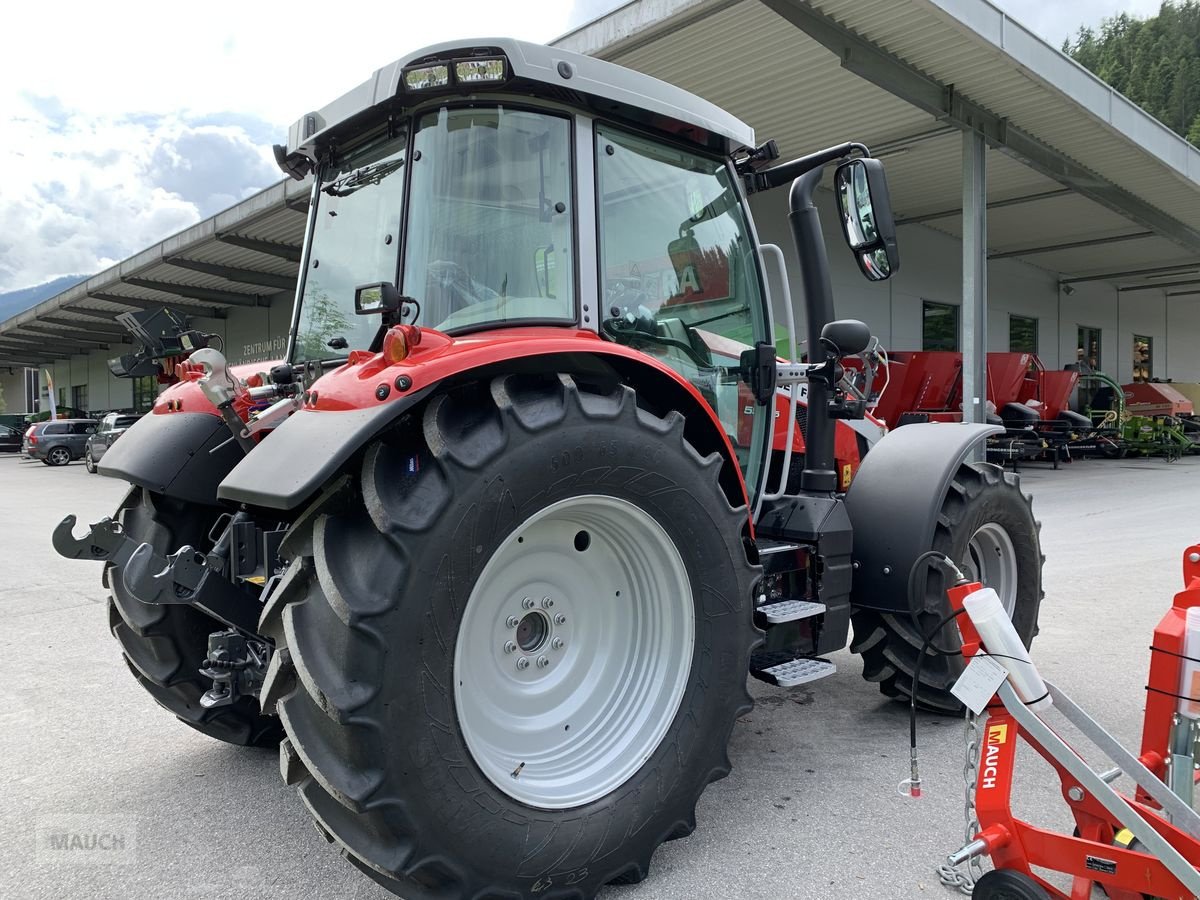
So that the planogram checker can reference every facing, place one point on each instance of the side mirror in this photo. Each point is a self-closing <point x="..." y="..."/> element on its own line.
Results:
<point x="865" y="211"/>
<point x="377" y="298"/>
<point x="846" y="337"/>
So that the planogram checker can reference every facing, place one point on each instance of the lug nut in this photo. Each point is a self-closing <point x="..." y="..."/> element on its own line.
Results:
<point x="557" y="643"/>
<point x="522" y="663"/>
<point x="547" y="603"/>
<point x="512" y="622"/>
<point x="560" y="619"/>
<point x="543" y="662"/>
<point x="510" y="647"/>
<point x="527" y="603"/>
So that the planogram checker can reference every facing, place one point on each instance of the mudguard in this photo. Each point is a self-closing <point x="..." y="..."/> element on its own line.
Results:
<point x="894" y="502"/>
<point x="350" y="405"/>
<point x="305" y="451"/>
<point x="179" y="454"/>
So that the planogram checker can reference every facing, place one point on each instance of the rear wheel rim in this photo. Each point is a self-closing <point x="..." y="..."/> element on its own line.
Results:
<point x="59" y="456"/>
<point x="574" y="652"/>
<point x="992" y="560"/>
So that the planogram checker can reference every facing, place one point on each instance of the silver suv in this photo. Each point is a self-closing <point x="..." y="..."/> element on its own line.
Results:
<point x="57" y="443"/>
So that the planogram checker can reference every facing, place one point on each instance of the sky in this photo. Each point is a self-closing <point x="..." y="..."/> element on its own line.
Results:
<point x="125" y="123"/>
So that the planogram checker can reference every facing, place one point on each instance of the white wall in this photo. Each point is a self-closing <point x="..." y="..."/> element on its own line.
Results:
<point x="13" y="384"/>
<point x="931" y="269"/>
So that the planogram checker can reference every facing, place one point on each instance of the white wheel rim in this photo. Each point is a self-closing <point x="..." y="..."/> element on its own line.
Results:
<point x="605" y="624"/>
<point x="992" y="560"/>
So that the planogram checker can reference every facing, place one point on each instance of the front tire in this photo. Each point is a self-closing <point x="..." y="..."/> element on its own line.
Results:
<point x="986" y="526"/>
<point x="165" y="646"/>
<point x="88" y="462"/>
<point x="437" y="762"/>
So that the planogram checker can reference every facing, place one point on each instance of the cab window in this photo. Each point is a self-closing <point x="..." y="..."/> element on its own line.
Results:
<point x="679" y="278"/>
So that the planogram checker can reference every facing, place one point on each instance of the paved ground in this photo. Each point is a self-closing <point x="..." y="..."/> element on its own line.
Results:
<point x="811" y="810"/>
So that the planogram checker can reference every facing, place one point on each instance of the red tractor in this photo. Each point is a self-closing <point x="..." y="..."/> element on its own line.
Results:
<point x="497" y="544"/>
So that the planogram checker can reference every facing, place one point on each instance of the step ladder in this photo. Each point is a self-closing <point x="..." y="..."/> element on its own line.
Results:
<point x="781" y="668"/>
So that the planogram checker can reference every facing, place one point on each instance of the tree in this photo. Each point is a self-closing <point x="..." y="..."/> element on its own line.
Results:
<point x="1155" y="62"/>
<point x="321" y="319"/>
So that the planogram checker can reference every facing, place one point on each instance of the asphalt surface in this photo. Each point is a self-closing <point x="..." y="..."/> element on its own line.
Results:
<point x="810" y="811"/>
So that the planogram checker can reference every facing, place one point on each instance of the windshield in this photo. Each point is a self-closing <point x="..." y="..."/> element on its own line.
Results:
<point x="355" y="240"/>
<point x="490" y="236"/>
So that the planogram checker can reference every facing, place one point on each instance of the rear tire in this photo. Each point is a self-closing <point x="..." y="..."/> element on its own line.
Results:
<point x="59" y="456"/>
<point x="987" y="526"/>
<point x="401" y="701"/>
<point x="164" y="646"/>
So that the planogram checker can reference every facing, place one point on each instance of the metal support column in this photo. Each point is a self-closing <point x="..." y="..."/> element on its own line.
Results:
<point x="974" y="270"/>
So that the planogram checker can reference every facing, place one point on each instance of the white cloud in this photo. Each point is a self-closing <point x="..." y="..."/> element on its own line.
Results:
<point x="126" y="121"/>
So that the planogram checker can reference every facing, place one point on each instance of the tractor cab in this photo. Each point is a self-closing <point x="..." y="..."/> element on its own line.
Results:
<point x="470" y="189"/>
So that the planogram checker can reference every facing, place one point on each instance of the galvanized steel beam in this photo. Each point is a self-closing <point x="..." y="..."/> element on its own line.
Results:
<point x="210" y="295"/>
<point x="883" y="69"/>
<point x="974" y="274"/>
<point x="289" y="252"/>
<point x="231" y="273"/>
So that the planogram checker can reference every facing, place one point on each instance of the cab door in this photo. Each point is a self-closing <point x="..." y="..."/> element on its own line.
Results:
<point x="679" y="275"/>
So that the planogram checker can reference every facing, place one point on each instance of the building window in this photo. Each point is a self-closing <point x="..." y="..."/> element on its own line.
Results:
<point x="939" y="326"/>
<point x="145" y="389"/>
<point x="1022" y="334"/>
<point x="62" y="398"/>
<point x="1088" y="349"/>
<point x="1143" y="357"/>
<point x="79" y="397"/>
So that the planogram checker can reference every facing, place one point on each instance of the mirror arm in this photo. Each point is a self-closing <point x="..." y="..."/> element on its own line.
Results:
<point x="789" y="171"/>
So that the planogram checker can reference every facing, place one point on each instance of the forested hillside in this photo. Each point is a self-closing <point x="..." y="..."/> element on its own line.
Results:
<point x="1155" y="62"/>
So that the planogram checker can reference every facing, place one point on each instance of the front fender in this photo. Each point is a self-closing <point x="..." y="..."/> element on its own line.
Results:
<point x="894" y="503"/>
<point x="357" y="401"/>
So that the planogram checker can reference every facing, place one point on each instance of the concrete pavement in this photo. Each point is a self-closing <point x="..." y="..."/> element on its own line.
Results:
<point x="811" y="810"/>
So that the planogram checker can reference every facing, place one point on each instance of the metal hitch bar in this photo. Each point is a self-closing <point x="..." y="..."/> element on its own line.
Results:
<point x="185" y="577"/>
<point x="106" y="540"/>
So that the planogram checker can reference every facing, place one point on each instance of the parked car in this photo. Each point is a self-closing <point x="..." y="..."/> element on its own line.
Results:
<point x="10" y="439"/>
<point x="112" y="426"/>
<point x="57" y="443"/>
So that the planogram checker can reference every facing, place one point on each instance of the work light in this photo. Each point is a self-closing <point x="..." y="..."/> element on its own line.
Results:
<point x="426" y="77"/>
<point x="470" y="71"/>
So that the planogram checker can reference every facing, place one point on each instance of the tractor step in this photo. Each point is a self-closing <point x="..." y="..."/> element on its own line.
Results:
<point x="790" y="611"/>
<point x="780" y="668"/>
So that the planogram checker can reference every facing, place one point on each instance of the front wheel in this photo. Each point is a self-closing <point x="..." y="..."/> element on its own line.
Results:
<point x="986" y="526"/>
<point x="88" y="462"/>
<point x="165" y="645"/>
<point x="511" y="651"/>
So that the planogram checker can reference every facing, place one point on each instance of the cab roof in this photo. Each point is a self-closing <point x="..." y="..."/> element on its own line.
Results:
<point x="602" y="87"/>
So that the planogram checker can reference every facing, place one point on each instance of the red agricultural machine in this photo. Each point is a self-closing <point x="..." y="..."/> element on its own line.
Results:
<point x="496" y="545"/>
<point x="1129" y="846"/>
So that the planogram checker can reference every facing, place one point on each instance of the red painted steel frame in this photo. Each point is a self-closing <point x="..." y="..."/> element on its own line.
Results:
<point x="1015" y="844"/>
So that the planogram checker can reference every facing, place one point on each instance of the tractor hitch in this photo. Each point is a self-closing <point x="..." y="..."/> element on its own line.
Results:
<point x="106" y="540"/>
<point x="237" y="666"/>
<point x="186" y="577"/>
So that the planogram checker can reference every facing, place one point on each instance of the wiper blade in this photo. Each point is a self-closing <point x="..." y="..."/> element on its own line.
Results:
<point x="361" y="178"/>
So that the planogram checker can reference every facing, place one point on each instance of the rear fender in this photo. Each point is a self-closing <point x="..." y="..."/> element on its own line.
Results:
<point x="182" y="448"/>
<point x="894" y="503"/>
<point x="357" y="402"/>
